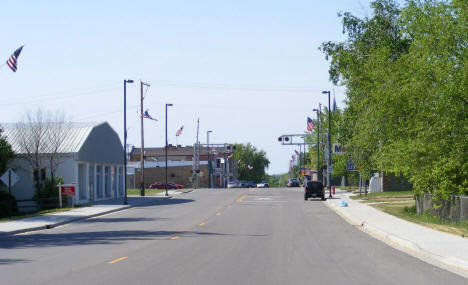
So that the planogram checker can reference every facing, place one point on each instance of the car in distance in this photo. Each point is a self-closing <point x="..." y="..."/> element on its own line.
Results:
<point x="263" y="184"/>
<point x="314" y="189"/>
<point x="233" y="184"/>
<point x="251" y="184"/>
<point x="243" y="184"/>
<point x="155" y="185"/>
<point x="293" y="182"/>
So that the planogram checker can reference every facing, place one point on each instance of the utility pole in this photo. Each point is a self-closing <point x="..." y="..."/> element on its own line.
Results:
<point x="197" y="157"/>
<point x="142" y="150"/>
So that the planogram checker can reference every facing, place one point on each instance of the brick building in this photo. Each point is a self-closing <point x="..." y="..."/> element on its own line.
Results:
<point x="181" y="163"/>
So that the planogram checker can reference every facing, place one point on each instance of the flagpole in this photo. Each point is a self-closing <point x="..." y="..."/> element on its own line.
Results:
<point x="3" y="65"/>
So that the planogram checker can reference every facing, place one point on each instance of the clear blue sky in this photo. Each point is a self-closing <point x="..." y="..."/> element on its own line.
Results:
<point x="250" y="70"/>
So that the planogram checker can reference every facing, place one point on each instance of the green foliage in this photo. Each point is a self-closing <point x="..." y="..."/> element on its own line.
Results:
<point x="405" y="73"/>
<point x="8" y="206"/>
<point x="6" y="153"/>
<point x="47" y="195"/>
<point x="247" y="155"/>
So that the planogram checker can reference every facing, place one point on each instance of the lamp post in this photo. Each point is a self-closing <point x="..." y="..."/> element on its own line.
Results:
<point x="167" y="105"/>
<point x="318" y="144"/>
<point x="125" y="137"/>
<point x="209" y="157"/>
<point x="329" y="145"/>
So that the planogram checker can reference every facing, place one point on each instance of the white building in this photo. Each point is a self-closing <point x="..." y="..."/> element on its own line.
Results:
<point x="88" y="154"/>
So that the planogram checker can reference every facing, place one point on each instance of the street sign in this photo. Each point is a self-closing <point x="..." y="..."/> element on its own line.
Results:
<point x="67" y="190"/>
<point x="330" y="168"/>
<point x="350" y="166"/>
<point x="9" y="177"/>
<point x="338" y="149"/>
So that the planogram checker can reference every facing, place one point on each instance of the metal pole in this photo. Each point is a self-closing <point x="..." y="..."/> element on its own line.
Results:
<point x="329" y="145"/>
<point x="125" y="138"/>
<point x="142" y="150"/>
<point x="166" y="151"/>
<point x="209" y="157"/>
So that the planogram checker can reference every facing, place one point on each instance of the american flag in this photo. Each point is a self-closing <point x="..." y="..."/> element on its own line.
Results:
<point x="179" y="131"/>
<point x="297" y="153"/>
<point x="146" y="115"/>
<point x="13" y="60"/>
<point x="310" y="124"/>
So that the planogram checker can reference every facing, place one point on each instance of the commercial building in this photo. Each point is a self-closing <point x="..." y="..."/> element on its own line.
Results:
<point x="89" y="155"/>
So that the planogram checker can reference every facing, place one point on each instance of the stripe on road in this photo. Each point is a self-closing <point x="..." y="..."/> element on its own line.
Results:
<point x="241" y="198"/>
<point x="118" y="259"/>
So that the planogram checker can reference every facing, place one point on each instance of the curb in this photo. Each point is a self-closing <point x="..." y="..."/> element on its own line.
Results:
<point x="400" y="243"/>
<point x="71" y="220"/>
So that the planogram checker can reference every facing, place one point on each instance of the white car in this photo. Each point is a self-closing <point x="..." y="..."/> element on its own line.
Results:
<point x="263" y="184"/>
<point x="233" y="184"/>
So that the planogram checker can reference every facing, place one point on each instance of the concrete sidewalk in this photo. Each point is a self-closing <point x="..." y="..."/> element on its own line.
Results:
<point x="438" y="248"/>
<point x="97" y="209"/>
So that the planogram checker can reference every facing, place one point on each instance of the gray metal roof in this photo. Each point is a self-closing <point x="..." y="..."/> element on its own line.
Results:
<point x="53" y="137"/>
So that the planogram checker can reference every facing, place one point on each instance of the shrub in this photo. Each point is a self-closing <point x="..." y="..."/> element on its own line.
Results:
<point x="47" y="194"/>
<point x="8" y="206"/>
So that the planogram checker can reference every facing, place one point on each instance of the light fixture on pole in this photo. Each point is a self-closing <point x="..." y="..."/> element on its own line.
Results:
<point x="209" y="156"/>
<point x="329" y="145"/>
<point x="125" y="138"/>
<point x="167" y="105"/>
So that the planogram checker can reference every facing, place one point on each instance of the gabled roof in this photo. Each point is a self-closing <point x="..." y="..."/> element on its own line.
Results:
<point x="56" y="138"/>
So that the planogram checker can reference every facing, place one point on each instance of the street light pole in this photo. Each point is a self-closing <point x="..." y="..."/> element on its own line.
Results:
<point x="125" y="138"/>
<point x="209" y="157"/>
<point x="166" y="147"/>
<point x="329" y="145"/>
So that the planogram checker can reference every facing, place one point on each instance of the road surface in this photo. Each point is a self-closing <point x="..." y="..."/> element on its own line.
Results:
<point x="236" y="236"/>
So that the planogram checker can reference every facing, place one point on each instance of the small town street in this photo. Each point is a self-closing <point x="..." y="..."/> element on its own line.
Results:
<point x="217" y="236"/>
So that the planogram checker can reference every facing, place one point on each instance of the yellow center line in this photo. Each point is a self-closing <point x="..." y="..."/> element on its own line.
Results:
<point x="241" y="198"/>
<point x="202" y="224"/>
<point x="174" y="237"/>
<point x="117" y="260"/>
<point x="218" y="214"/>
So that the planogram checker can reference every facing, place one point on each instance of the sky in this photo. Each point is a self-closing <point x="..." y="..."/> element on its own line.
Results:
<point x="249" y="70"/>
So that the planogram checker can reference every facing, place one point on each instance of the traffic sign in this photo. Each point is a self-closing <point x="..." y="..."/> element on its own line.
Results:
<point x="330" y="168"/>
<point x="9" y="177"/>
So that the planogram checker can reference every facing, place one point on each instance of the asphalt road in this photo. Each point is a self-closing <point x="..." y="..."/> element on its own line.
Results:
<point x="264" y="236"/>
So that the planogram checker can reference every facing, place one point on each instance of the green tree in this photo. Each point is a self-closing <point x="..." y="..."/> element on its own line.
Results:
<point x="251" y="163"/>
<point x="405" y="74"/>
<point x="6" y="152"/>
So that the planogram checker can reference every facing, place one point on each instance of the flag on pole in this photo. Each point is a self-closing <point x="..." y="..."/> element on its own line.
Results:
<point x="179" y="131"/>
<point x="146" y="115"/>
<point x="13" y="60"/>
<point x="334" y="106"/>
<point x="297" y="153"/>
<point x="293" y="157"/>
<point x="310" y="124"/>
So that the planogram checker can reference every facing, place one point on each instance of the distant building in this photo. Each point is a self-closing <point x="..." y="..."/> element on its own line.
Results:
<point x="90" y="155"/>
<point x="180" y="163"/>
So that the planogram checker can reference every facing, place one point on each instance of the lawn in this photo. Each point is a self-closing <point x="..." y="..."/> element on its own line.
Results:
<point x="147" y="191"/>
<point x="402" y="205"/>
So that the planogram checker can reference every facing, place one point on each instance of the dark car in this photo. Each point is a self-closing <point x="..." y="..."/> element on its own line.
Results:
<point x="293" y="182"/>
<point x="156" y="185"/>
<point x="314" y="189"/>
<point x="243" y="184"/>
<point x="250" y="184"/>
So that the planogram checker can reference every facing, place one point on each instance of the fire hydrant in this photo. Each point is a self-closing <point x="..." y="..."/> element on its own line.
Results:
<point x="333" y="190"/>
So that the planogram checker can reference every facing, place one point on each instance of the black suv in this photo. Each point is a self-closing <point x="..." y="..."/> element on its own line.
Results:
<point x="314" y="189"/>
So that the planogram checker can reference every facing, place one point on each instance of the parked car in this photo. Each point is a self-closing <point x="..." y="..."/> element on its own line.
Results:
<point x="233" y="184"/>
<point x="243" y="184"/>
<point x="293" y="182"/>
<point x="314" y="189"/>
<point x="263" y="184"/>
<point x="175" y="185"/>
<point x="251" y="184"/>
<point x="156" y="185"/>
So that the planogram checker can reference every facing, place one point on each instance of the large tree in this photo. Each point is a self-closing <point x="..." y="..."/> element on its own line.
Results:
<point x="251" y="163"/>
<point x="405" y="74"/>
